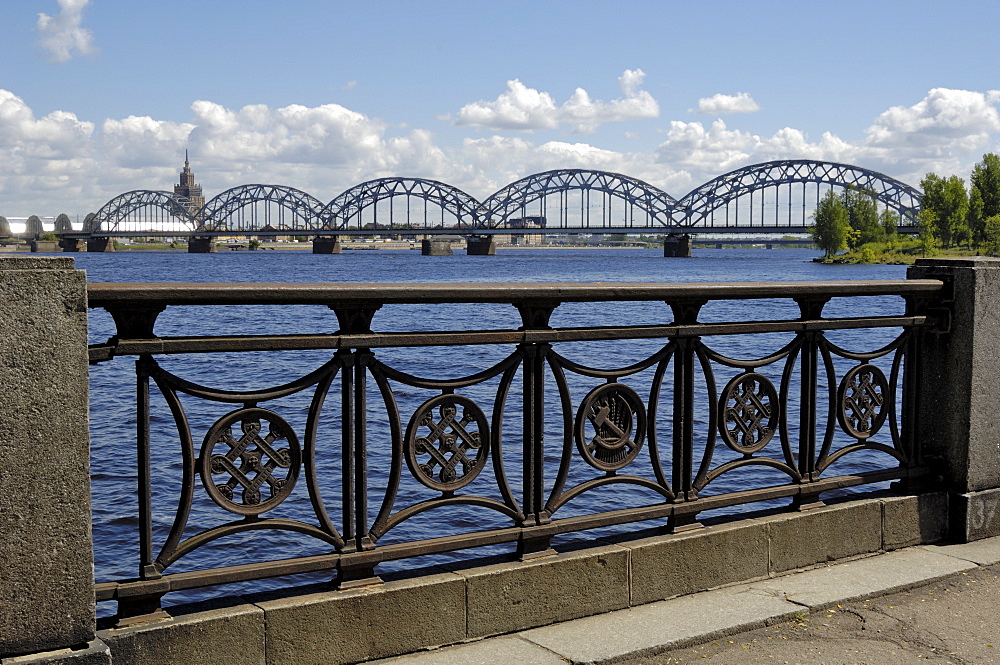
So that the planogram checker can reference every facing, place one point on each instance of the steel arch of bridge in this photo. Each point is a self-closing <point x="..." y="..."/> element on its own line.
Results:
<point x="350" y="203"/>
<point x="308" y="214"/>
<point x="697" y="205"/>
<point x="221" y="212"/>
<point x="515" y="197"/>
<point x="116" y="213"/>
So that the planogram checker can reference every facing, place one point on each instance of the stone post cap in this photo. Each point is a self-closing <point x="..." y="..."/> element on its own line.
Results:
<point x="36" y="263"/>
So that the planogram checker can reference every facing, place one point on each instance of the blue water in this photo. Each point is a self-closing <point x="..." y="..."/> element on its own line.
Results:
<point x="113" y="383"/>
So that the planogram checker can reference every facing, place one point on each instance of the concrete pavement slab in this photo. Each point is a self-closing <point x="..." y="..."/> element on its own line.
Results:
<point x="654" y="627"/>
<point x="862" y="578"/>
<point x="485" y="652"/>
<point x="982" y="552"/>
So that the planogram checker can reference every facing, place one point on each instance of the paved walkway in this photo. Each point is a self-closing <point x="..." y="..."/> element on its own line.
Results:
<point x="931" y="603"/>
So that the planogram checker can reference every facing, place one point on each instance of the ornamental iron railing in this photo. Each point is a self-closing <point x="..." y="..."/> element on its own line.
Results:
<point x="526" y="435"/>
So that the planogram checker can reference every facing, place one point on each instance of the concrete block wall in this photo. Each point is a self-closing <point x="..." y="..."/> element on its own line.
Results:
<point x="460" y="603"/>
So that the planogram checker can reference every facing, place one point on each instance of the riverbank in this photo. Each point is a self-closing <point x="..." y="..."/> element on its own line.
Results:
<point x="897" y="253"/>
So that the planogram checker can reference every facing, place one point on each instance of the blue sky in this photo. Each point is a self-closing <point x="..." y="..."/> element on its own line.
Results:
<point x="100" y="97"/>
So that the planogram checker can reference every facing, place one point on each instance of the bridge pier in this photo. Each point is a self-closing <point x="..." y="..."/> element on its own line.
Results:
<point x="435" y="247"/>
<point x="480" y="246"/>
<point x="72" y="245"/>
<point x="327" y="245"/>
<point x="201" y="246"/>
<point x="44" y="246"/>
<point x="100" y="244"/>
<point x="677" y="246"/>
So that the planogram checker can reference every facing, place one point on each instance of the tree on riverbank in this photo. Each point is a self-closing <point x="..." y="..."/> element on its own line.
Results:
<point x="947" y="199"/>
<point x="984" y="196"/>
<point x="862" y="217"/>
<point x="832" y="224"/>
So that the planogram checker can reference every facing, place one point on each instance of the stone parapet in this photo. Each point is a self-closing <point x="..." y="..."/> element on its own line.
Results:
<point x="46" y="560"/>
<point x="958" y="374"/>
<point x="469" y="602"/>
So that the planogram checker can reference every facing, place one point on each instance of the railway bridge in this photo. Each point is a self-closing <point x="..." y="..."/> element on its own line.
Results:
<point x="776" y="197"/>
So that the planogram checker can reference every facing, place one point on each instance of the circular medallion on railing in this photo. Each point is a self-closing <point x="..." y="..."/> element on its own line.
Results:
<point x="748" y="412"/>
<point x="610" y="426"/>
<point x="236" y="467"/>
<point x="446" y="451"/>
<point x="862" y="400"/>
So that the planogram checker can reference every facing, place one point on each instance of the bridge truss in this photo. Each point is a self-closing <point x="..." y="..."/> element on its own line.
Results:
<point x="698" y="207"/>
<point x="254" y="208"/>
<point x="776" y="196"/>
<point x="451" y="203"/>
<point x="141" y="211"/>
<point x="521" y="198"/>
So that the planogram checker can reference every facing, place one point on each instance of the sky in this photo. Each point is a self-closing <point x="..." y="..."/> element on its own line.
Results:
<point x="101" y="97"/>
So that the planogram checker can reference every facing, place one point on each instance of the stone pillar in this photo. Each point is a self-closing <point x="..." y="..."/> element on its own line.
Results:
<point x="480" y="246"/>
<point x="45" y="246"/>
<point x="201" y="246"/>
<point x="327" y="245"/>
<point x="435" y="247"/>
<point x="677" y="246"/>
<point x="72" y="244"/>
<point x="46" y="556"/>
<point x="958" y="426"/>
<point x="100" y="245"/>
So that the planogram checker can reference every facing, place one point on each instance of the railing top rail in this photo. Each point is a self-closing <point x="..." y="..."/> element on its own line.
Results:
<point x="118" y="295"/>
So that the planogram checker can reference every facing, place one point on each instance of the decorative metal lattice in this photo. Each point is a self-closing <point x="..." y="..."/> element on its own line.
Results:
<point x="748" y="412"/>
<point x="440" y="458"/>
<point x="610" y="426"/>
<point x="862" y="399"/>
<point x="246" y="463"/>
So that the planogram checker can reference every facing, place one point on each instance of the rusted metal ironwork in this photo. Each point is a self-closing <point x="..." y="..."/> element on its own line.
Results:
<point x="788" y="411"/>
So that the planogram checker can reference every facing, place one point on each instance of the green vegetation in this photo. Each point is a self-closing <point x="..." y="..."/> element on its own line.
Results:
<point x="953" y="220"/>
<point x="832" y="226"/>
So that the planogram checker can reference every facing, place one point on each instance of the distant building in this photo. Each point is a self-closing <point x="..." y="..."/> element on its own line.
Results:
<point x="536" y="222"/>
<point x="188" y="189"/>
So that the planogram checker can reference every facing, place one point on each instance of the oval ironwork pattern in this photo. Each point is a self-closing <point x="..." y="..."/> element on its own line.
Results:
<point x="440" y="459"/>
<point x="616" y="416"/>
<point x="862" y="401"/>
<point x="250" y="461"/>
<point x="748" y="412"/>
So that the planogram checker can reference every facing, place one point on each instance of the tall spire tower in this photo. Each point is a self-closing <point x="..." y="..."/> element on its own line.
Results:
<point x="188" y="189"/>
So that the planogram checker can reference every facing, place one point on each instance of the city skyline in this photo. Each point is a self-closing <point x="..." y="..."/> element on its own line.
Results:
<point x="98" y="98"/>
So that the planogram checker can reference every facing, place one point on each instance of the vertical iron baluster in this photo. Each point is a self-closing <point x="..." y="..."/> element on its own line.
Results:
<point x="348" y="475"/>
<point x="534" y="540"/>
<point x="355" y="568"/>
<point x="361" y="449"/>
<point x="685" y="313"/>
<point x="809" y="309"/>
<point x="910" y="399"/>
<point x="143" y="367"/>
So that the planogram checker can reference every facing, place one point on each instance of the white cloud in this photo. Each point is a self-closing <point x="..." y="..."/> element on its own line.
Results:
<point x="62" y="35"/>
<point x="944" y="119"/>
<point x="526" y="109"/>
<point x="520" y="107"/>
<point x="74" y="166"/>
<point x="721" y="104"/>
